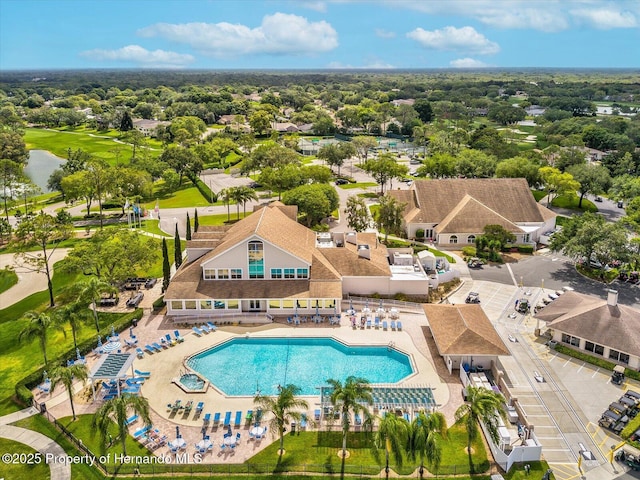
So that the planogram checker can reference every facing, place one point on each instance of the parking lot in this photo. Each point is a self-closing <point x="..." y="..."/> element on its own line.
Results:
<point x="566" y="406"/>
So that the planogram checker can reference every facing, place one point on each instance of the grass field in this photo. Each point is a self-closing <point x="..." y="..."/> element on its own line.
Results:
<point x="22" y="470"/>
<point x="186" y="196"/>
<point x="8" y="278"/>
<point x="91" y="141"/>
<point x="349" y="186"/>
<point x="571" y="202"/>
<point x="220" y="219"/>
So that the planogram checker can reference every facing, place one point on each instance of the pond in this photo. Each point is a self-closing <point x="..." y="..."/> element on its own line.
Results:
<point x="40" y="167"/>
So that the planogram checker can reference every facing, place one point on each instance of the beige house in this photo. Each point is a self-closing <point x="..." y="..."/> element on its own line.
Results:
<point x="464" y="336"/>
<point x="455" y="211"/>
<point x="268" y="264"/>
<point x="148" y="127"/>
<point x="601" y="328"/>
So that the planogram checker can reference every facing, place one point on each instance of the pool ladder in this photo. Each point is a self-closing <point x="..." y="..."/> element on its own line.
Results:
<point x="391" y="346"/>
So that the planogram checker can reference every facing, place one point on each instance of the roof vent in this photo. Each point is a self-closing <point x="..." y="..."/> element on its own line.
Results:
<point x="612" y="298"/>
<point x="364" y="251"/>
<point x="351" y="237"/>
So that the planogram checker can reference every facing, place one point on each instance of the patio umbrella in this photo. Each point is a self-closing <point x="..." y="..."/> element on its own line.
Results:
<point x="177" y="431"/>
<point x="45" y="375"/>
<point x="204" y="433"/>
<point x="131" y="331"/>
<point x="317" y="309"/>
<point x="350" y="304"/>
<point x="113" y="331"/>
<point x="380" y="306"/>
<point x="99" y="341"/>
<point x="78" y="353"/>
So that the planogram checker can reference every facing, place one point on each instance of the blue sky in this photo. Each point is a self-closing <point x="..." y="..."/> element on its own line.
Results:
<point x="319" y="34"/>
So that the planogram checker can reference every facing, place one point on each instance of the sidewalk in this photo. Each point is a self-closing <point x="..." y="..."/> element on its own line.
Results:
<point x="35" y="440"/>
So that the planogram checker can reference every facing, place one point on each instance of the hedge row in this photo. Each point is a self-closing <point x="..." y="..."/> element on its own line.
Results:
<point x="205" y="191"/>
<point x="23" y="388"/>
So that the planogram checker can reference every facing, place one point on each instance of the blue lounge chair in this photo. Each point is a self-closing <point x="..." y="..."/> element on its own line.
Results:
<point x="171" y="341"/>
<point x="149" y="349"/>
<point x="141" y="431"/>
<point x="238" y="418"/>
<point x="289" y="320"/>
<point x="163" y="342"/>
<point x="156" y="346"/>
<point x="131" y="419"/>
<point x="368" y="323"/>
<point x="206" y="419"/>
<point x="212" y="326"/>
<point x="179" y="338"/>
<point x="227" y="419"/>
<point x="142" y="374"/>
<point x="199" y="407"/>
<point x="132" y="390"/>
<point x="139" y="352"/>
<point x="377" y="322"/>
<point x="393" y="324"/>
<point x="399" y="325"/>
<point x="205" y="329"/>
<point x="197" y="331"/>
<point x="216" y="418"/>
<point x="385" y="325"/>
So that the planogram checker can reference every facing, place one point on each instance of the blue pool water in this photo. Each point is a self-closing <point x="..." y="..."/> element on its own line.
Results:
<point x="192" y="381"/>
<point x="243" y="366"/>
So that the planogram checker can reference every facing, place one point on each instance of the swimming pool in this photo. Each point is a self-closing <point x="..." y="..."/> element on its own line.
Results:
<point x="243" y="366"/>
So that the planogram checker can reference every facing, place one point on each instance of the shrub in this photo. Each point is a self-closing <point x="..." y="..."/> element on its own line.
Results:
<point x="159" y="303"/>
<point x="24" y="395"/>
<point x="469" y="251"/>
<point x="206" y="192"/>
<point x="631" y="427"/>
<point x="525" y="248"/>
<point x="420" y="233"/>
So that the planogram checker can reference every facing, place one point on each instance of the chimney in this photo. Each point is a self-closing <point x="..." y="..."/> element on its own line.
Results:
<point x="612" y="298"/>
<point x="363" y="251"/>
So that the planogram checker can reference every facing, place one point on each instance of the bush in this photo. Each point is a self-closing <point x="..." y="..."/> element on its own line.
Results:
<point x="525" y="248"/>
<point x="469" y="251"/>
<point x="598" y="362"/>
<point x="159" y="303"/>
<point x="420" y="233"/>
<point x="631" y="427"/>
<point x="206" y="192"/>
<point x="24" y="395"/>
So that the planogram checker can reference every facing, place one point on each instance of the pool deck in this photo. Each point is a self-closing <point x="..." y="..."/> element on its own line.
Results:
<point x="166" y="365"/>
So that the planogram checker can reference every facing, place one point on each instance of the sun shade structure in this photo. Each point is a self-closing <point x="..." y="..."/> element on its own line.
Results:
<point x="113" y="366"/>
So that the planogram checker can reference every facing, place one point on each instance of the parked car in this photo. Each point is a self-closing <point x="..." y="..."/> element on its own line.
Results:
<point x="473" y="297"/>
<point x="255" y="185"/>
<point x="523" y="305"/>
<point x="598" y="199"/>
<point x="341" y="181"/>
<point x="150" y="283"/>
<point x="620" y="205"/>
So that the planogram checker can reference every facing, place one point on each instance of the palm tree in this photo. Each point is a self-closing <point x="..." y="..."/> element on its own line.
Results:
<point x="481" y="405"/>
<point x="75" y="315"/>
<point x="118" y="410"/>
<point x="391" y="435"/>
<point x="246" y="194"/>
<point x="65" y="376"/>
<point x="349" y="397"/>
<point x="91" y="290"/>
<point x="422" y="440"/>
<point x="235" y="193"/>
<point x="226" y="196"/>
<point x="38" y="327"/>
<point x="284" y="409"/>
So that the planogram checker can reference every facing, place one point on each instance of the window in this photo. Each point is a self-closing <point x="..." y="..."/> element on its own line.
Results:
<point x="236" y="273"/>
<point x="218" y="305"/>
<point x="274" y="304"/>
<point x="575" y="341"/>
<point x="233" y="305"/>
<point x="594" y="348"/>
<point x="256" y="259"/>
<point x="471" y="239"/>
<point x="223" y="274"/>
<point x="453" y="239"/>
<point x="209" y="274"/>
<point x="276" y="273"/>
<point x="190" y="304"/>
<point x="303" y="273"/>
<point x="618" y="356"/>
<point x="254" y="304"/>
<point x="205" y="304"/>
<point x="289" y="273"/>
<point x="176" y="304"/>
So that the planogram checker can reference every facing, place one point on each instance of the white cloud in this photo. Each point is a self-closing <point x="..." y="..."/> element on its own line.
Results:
<point x="317" y="5"/>
<point x="382" y="33"/>
<point x="605" y="18"/>
<point x="141" y="56"/>
<point x="464" y="39"/>
<point x="468" y="63"/>
<point x="279" y="33"/>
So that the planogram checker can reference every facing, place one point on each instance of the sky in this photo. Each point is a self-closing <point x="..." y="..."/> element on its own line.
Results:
<point x="318" y="34"/>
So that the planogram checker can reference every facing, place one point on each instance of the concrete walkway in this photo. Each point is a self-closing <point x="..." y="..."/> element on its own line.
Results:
<point x="59" y="470"/>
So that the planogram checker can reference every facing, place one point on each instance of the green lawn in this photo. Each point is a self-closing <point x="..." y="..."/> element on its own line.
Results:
<point x="349" y="186"/>
<point x="220" y="219"/>
<point x="8" y="278"/>
<point x="571" y="202"/>
<point x="23" y="470"/>
<point x="186" y="196"/>
<point x="59" y="142"/>
<point x="538" y="194"/>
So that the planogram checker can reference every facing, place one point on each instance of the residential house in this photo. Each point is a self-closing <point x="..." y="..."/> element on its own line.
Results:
<point x="455" y="211"/>
<point x="602" y="328"/>
<point x="269" y="264"/>
<point x="148" y="127"/>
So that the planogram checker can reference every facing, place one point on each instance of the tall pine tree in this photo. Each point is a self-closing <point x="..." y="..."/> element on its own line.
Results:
<point x="196" y="224"/>
<point x="188" y="227"/>
<point x="166" y="267"/>
<point x="178" y="249"/>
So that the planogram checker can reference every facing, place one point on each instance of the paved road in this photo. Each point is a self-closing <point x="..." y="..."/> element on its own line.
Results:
<point x="553" y="271"/>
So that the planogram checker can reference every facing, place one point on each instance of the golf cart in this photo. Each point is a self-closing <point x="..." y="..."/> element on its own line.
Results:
<point x="523" y="305"/>
<point x="617" y="377"/>
<point x="473" y="297"/>
<point x="475" y="262"/>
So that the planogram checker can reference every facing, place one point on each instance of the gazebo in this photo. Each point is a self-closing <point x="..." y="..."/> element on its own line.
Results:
<point x="111" y="366"/>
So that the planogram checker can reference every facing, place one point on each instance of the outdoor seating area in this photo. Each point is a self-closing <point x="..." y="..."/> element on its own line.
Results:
<point x="205" y="328"/>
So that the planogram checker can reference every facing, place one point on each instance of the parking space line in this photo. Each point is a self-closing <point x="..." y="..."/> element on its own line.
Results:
<point x="594" y="373"/>
<point x="581" y="367"/>
<point x="566" y="363"/>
